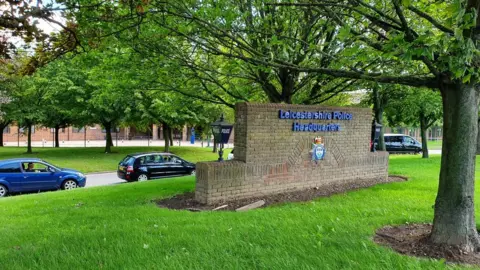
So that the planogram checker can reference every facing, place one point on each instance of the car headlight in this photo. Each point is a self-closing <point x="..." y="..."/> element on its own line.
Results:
<point x="81" y="175"/>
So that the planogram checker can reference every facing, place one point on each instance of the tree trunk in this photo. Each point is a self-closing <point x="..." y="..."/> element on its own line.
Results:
<point x="454" y="216"/>
<point x="215" y="145"/>
<point x="423" y="132"/>
<point x="29" y="139"/>
<point x="378" y="111"/>
<point x="3" y="125"/>
<point x="109" y="143"/>
<point x="287" y="80"/>
<point x="57" y="140"/>
<point x="269" y="89"/>
<point x="166" y="137"/>
<point x="170" y="135"/>
<point x="111" y="137"/>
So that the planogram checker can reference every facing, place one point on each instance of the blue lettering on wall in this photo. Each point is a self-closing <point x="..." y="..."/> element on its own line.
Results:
<point x="316" y="115"/>
<point x="313" y="127"/>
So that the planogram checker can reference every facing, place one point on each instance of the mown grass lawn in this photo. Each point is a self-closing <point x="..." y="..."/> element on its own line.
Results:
<point x="93" y="159"/>
<point x="118" y="227"/>
<point x="434" y="145"/>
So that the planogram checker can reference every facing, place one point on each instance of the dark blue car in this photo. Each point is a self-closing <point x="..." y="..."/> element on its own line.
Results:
<point x="32" y="174"/>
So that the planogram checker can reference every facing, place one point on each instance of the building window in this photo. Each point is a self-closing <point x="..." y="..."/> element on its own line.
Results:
<point x="78" y="130"/>
<point x="6" y="130"/>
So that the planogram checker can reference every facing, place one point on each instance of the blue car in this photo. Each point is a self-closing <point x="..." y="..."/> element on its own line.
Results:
<point x="33" y="174"/>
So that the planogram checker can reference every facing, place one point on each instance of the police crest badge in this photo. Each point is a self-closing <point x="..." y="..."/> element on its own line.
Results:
<point x="318" y="149"/>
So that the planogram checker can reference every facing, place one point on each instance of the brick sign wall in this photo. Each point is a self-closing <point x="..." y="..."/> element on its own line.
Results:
<point x="273" y="152"/>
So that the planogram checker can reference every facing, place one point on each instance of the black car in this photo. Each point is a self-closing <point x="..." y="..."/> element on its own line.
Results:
<point x="399" y="143"/>
<point x="144" y="166"/>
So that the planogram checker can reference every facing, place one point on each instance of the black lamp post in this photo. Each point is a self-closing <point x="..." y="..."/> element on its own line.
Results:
<point x="376" y="128"/>
<point x="221" y="132"/>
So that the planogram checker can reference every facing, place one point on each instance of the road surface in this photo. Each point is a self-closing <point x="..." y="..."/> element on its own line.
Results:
<point x="103" y="179"/>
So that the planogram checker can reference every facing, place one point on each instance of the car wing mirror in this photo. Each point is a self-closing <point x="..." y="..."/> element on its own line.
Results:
<point x="52" y="170"/>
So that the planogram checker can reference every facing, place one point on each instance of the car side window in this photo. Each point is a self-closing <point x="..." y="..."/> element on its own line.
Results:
<point x="387" y="139"/>
<point x="396" y="139"/>
<point x="175" y="160"/>
<point x="172" y="159"/>
<point x="34" y="167"/>
<point x="10" y="168"/>
<point x="157" y="159"/>
<point x="408" y="140"/>
<point x="140" y="161"/>
<point x="149" y="159"/>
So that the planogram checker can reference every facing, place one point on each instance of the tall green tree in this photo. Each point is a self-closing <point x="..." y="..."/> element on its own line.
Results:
<point x="10" y="84"/>
<point x="28" y="99"/>
<point x="109" y="99"/>
<point x="172" y="110"/>
<point x="63" y="102"/>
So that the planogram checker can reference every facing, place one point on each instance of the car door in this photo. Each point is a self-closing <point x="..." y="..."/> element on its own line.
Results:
<point x="156" y="166"/>
<point x="40" y="178"/>
<point x="176" y="166"/>
<point x="396" y="144"/>
<point x="409" y="144"/>
<point x="12" y="174"/>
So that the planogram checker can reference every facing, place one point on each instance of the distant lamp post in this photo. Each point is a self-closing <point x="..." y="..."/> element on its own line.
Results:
<point x="221" y="132"/>
<point x="376" y="128"/>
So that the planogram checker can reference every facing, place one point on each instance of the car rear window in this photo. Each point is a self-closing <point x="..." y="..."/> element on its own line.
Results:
<point x="127" y="160"/>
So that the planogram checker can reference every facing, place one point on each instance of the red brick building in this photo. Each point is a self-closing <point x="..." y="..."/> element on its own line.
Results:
<point x="92" y="133"/>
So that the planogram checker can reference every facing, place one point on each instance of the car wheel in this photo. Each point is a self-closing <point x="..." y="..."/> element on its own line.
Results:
<point x="142" y="177"/>
<point x="192" y="172"/>
<point x="69" y="184"/>
<point x="3" y="191"/>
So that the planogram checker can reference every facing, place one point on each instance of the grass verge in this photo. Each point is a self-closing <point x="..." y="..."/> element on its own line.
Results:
<point x="88" y="160"/>
<point x="118" y="227"/>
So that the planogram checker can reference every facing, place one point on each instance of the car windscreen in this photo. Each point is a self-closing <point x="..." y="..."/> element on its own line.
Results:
<point x="50" y="165"/>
